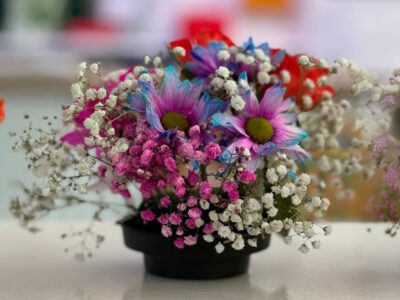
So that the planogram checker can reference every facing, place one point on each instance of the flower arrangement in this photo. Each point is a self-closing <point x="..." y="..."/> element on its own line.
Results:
<point x="218" y="149"/>
<point x="236" y="143"/>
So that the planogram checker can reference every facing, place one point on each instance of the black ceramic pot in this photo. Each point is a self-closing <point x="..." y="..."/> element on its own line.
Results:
<point x="201" y="261"/>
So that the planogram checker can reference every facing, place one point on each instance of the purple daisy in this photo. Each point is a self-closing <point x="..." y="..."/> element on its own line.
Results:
<point x="276" y="56"/>
<point x="177" y="105"/>
<point x="263" y="127"/>
<point x="205" y="59"/>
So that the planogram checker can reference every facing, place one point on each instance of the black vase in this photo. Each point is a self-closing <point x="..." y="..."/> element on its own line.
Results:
<point x="201" y="261"/>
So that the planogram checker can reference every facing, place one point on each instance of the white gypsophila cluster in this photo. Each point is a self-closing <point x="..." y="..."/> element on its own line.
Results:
<point x="66" y="173"/>
<point x="179" y="51"/>
<point x="358" y="104"/>
<point x="324" y="124"/>
<point x="64" y="177"/>
<point x="248" y="220"/>
<point x="222" y="84"/>
<point x="366" y="95"/>
<point x="238" y="103"/>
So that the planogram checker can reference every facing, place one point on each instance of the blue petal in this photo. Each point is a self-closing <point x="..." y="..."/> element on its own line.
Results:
<point x="170" y="82"/>
<point x="136" y="102"/>
<point x="214" y="48"/>
<point x="227" y="122"/>
<point x="243" y="76"/>
<point x="227" y="157"/>
<point x="214" y="105"/>
<point x="170" y="74"/>
<point x="292" y="174"/>
<point x="278" y="57"/>
<point x="265" y="48"/>
<point x="249" y="45"/>
<point x="153" y="118"/>
<point x="199" y="53"/>
<point x="195" y="164"/>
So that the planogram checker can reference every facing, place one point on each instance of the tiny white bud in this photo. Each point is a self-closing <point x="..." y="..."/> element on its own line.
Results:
<point x="179" y="51"/>
<point x="223" y="55"/>
<point x="303" y="60"/>
<point x="303" y="248"/>
<point x="94" y="68"/>
<point x="263" y="77"/>
<point x="219" y="248"/>
<point x="223" y="72"/>
<point x="238" y="103"/>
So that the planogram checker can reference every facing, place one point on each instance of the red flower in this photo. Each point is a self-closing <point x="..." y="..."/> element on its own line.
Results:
<point x="201" y="37"/>
<point x="2" y="112"/>
<point x="296" y="87"/>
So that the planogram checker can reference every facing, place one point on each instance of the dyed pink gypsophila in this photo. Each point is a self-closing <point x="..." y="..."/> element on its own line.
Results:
<point x="392" y="178"/>
<point x="175" y="219"/>
<point x="147" y="215"/>
<point x="378" y="146"/>
<point x="247" y="177"/>
<point x="212" y="151"/>
<point x="190" y="223"/>
<point x="205" y="190"/>
<point x="163" y="219"/>
<point x="170" y="164"/>
<point x="193" y="178"/>
<point x="185" y="150"/>
<point x="229" y="186"/>
<point x="166" y="231"/>
<point x="165" y="201"/>
<point x="179" y="243"/>
<point x="190" y="240"/>
<point x="191" y="201"/>
<point x="208" y="228"/>
<point x="195" y="213"/>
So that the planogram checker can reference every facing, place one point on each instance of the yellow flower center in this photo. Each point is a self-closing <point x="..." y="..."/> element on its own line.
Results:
<point x="173" y="120"/>
<point x="259" y="130"/>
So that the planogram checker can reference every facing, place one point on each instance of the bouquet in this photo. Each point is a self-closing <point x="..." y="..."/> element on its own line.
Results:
<point x="214" y="146"/>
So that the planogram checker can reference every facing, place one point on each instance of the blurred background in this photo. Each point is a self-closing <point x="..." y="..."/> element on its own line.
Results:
<point x="42" y="41"/>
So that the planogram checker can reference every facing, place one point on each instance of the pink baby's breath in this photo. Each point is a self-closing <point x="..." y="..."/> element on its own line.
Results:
<point x="190" y="240"/>
<point x="179" y="243"/>
<point x="195" y="213"/>
<point x="165" y="201"/>
<point x="175" y="219"/>
<point x="248" y="177"/>
<point x="166" y="231"/>
<point x="205" y="190"/>
<point x="212" y="151"/>
<point x="147" y="215"/>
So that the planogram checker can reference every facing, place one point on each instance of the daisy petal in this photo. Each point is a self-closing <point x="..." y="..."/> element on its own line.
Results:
<point x="229" y="123"/>
<point x="153" y="118"/>
<point x="297" y="153"/>
<point x="272" y="103"/>
<point x="230" y="155"/>
<point x="136" y="102"/>
<point x="285" y="135"/>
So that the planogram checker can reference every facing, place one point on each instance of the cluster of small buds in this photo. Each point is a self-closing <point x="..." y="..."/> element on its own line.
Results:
<point x="324" y="125"/>
<point x="225" y="87"/>
<point x="256" y="59"/>
<point x="222" y="84"/>
<point x="384" y="153"/>
<point x="361" y="80"/>
<point x="186" y="189"/>
<point x="64" y="178"/>
<point x="247" y="220"/>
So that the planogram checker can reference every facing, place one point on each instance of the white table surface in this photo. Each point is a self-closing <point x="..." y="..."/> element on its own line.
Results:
<point x="351" y="264"/>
